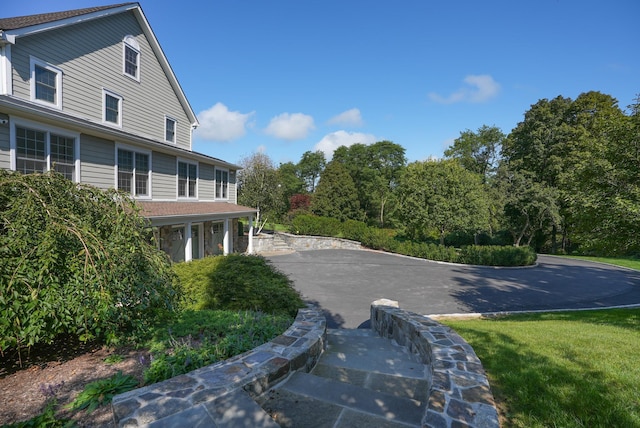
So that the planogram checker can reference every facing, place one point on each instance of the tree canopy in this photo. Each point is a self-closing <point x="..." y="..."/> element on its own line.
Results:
<point x="444" y="196"/>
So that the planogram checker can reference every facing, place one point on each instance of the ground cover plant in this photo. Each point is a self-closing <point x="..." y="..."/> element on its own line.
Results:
<point x="199" y="338"/>
<point x="564" y="369"/>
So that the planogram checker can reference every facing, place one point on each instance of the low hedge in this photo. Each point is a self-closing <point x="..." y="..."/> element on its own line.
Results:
<point x="385" y="240"/>
<point x="236" y="282"/>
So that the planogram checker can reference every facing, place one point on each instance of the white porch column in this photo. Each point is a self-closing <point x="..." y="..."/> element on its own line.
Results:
<point x="226" y="241"/>
<point x="188" y="249"/>
<point x="250" y="244"/>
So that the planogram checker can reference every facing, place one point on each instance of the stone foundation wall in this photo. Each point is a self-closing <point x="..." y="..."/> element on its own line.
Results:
<point x="460" y="394"/>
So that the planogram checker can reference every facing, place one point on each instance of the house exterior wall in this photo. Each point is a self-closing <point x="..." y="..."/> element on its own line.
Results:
<point x="97" y="160"/>
<point x="164" y="182"/>
<point x="90" y="56"/>
<point x="5" y="158"/>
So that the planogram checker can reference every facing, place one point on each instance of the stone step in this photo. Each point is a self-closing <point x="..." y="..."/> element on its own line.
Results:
<point x="356" y="349"/>
<point x="233" y="410"/>
<point x="306" y="400"/>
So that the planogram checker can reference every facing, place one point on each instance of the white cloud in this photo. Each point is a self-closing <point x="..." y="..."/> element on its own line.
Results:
<point x="290" y="127"/>
<point x="261" y="148"/>
<point x="332" y="141"/>
<point x="350" y="117"/>
<point x="478" y="89"/>
<point x="219" y="124"/>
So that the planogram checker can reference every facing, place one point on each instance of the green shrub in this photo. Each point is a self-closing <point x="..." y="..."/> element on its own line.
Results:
<point x="75" y="260"/>
<point x="354" y="230"/>
<point x="497" y="255"/>
<point x="236" y="282"/>
<point x="308" y="224"/>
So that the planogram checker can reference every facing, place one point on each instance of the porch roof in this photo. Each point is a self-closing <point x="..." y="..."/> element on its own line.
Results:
<point x="177" y="210"/>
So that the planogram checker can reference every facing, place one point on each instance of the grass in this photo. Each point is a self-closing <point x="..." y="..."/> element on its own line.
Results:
<point x="631" y="263"/>
<point x="566" y="369"/>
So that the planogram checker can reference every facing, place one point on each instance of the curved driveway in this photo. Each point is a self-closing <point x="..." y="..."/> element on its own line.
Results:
<point x="345" y="282"/>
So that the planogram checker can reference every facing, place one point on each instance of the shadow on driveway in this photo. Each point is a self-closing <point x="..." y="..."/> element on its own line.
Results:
<point x="343" y="283"/>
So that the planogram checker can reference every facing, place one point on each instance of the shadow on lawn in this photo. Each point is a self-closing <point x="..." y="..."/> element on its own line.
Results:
<point x="532" y="390"/>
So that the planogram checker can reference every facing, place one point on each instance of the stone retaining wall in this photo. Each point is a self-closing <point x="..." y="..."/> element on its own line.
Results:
<point x="305" y="242"/>
<point x="255" y="371"/>
<point x="460" y="394"/>
<point x="264" y="243"/>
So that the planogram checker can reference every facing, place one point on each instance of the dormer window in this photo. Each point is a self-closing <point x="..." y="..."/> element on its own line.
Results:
<point x="131" y="57"/>
<point x="46" y="83"/>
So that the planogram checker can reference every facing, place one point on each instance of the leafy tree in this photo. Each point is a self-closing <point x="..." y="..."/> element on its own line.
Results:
<point x="291" y="183"/>
<point x="336" y="194"/>
<point x="605" y="194"/>
<point x="259" y="187"/>
<point x="444" y="196"/>
<point x="375" y="170"/>
<point x="310" y="168"/>
<point x="530" y="206"/>
<point x="75" y="260"/>
<point x="479" y="151"/>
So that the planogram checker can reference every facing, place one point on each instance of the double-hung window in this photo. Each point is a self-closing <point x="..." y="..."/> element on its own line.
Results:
<point x="222" y="184"/>
<point x="169" y="129"/>
<point x="41" y="150"/>
<point x="131" y="57"/>
<point x="111" y="108"/>
<point x="187" y="179"/>
<point x="46" y="83"/>
<point x="133" y="172"/>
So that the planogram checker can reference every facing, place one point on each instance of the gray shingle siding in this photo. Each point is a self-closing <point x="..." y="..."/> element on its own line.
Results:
<point x="206" y="182"/>
<point x="90" y="56"/>
<point x="97" y="161"/>
<point x="164" y="180"/>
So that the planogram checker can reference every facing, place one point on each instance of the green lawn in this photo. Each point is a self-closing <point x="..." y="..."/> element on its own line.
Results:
<point x="566" y="369"/>
<point x="624" y="262"/>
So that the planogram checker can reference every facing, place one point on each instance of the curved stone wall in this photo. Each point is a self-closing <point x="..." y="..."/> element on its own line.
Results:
<point x="460" y="394"/>
<point x="254" y="372"/>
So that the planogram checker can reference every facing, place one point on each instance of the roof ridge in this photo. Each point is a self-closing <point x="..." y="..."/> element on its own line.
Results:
<point x="17" y="22"/>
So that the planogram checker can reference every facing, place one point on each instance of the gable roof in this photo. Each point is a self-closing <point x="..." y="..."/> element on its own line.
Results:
<point x="13" y="28"/>
<point x="46" y="18"/>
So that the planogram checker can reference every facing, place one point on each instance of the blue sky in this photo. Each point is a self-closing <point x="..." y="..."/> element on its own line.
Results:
<point x="287" y="76"/>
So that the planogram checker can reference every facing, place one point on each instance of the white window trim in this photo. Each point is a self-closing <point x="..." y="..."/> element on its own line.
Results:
<point x="33" y="62"/>
<point x="188" y="162"/>
<point x="6" y="83"/>
<point x="23" y="123"/>
<point x="175" y="129"/>
<point x="131" y="43"/>
<point x="106" y="92"/>
<point x="215" y="180"/>
<point x="135" y="150"/>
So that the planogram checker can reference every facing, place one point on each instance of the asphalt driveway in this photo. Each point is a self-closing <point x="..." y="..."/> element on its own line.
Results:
<point x="345" y="282"/>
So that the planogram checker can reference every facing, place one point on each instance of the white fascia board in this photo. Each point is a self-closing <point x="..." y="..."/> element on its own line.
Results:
<point x="34" y="29"/>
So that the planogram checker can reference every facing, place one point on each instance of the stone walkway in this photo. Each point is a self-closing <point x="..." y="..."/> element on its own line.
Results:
<point x="362" y="380"/>
<point x="406" y="371"/>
